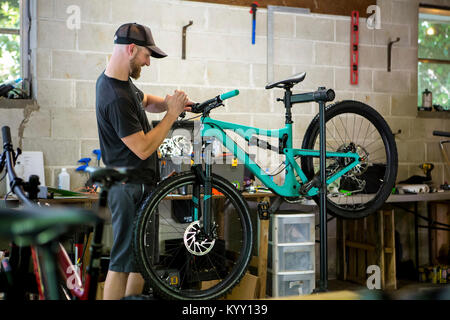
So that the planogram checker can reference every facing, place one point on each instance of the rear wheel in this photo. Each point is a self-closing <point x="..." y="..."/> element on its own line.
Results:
<point x="353" y="126"/>
<point x="175" y="256"/>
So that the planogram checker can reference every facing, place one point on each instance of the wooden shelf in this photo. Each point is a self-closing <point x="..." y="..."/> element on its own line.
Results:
<point x="15" y="103"/>
<point x="433" y="114"/>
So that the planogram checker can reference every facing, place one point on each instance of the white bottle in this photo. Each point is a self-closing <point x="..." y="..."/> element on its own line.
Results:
<point x="64" y="180"/>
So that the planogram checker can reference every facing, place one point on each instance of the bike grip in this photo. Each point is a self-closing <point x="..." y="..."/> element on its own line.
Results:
<point x="228" y="95"/>
<point x="6" y="133"/>
<point x="441" y="133"/>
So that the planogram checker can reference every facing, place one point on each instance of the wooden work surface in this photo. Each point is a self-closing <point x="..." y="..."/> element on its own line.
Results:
<point x="435" y="196"/>
<point x="395" y="198"/>
<point x="95" y="197"/>
<point x="246" y="195"/>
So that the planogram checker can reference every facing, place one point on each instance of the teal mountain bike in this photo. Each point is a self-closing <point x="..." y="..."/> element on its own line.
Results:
<point x="207" y="255"/>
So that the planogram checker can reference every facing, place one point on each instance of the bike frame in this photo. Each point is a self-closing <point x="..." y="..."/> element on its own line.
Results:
<point x="291" y="186"/>
<point x="47" y="264"/>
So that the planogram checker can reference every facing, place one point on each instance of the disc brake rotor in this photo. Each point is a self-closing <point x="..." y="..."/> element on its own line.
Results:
<point x="363" y="164"/>
<point x="195" y="242"/>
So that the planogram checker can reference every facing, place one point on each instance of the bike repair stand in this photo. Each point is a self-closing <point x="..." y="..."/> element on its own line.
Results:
<point x="323" y="282"/>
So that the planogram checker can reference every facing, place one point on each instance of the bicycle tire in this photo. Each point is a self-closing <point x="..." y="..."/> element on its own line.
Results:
<point x="360" y="112"/>
<point x="149" y="266"/>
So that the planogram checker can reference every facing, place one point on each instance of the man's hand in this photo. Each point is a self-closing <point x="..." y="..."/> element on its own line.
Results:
<point x="188" y="105"/>
<point x="177" y="103"/>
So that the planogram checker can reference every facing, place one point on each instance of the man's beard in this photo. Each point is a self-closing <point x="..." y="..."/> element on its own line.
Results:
<point x="135" y="69"/>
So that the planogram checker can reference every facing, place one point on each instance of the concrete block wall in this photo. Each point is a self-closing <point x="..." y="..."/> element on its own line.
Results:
<point x="220" y="57"/>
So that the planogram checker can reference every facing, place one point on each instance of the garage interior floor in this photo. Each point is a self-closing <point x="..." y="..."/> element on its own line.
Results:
<point x="404" y="287"/>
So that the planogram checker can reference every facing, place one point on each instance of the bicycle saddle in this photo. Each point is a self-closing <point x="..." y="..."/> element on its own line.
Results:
<point x="41" y="225"/>
<point x="122" y="174"/>
<point x="292" y="80"/>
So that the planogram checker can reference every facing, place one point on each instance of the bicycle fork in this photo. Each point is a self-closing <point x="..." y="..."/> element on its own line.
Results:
<point x="204" y="177"/>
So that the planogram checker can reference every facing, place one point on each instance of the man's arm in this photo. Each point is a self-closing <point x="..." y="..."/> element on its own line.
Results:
<point x="154" y="104"/>
<point x="145" y="144"/>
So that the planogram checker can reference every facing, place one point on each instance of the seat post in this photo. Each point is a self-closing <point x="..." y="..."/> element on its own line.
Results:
<point x="288" y="104"/>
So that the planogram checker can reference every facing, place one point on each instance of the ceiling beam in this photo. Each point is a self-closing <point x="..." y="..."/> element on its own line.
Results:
<point x="334" y="7"/>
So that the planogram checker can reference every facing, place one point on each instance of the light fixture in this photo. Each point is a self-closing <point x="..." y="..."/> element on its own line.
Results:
<point x="430" y="31"/>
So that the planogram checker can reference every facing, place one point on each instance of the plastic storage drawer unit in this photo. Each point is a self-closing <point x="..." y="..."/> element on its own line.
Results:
<point x="292" y="228"/>
<point x="294" y="257"/>
<point x="290" y="284"/>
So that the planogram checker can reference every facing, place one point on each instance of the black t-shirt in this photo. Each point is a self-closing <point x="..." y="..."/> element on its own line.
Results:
<point x="119" y="114"/>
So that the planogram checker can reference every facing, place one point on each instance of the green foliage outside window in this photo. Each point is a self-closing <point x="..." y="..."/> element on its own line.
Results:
<point x="9" y="44"/>
<point x="434" y="76"/>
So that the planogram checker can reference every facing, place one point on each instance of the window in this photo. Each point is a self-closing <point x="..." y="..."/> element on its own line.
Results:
<point x="9" y="40"/>
<point x="433" y="53"/>
<point x="15" y="54"/>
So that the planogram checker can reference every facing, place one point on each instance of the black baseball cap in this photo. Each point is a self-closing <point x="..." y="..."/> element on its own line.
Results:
<point x="140" y="35"/>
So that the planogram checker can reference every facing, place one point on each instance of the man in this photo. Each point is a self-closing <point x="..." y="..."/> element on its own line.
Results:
<point x="127" y="139"/>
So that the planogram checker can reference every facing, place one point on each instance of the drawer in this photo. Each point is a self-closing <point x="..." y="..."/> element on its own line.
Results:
<point x="292" y="258"/>
<point x="292" y="284"/>
<point x="292" y="228"/>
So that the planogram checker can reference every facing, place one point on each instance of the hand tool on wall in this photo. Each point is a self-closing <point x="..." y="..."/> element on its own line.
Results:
<point x="354" y="42"/>
<point x="253" y="12"/>
<point x="389" y="53"/>
<point x="183" y="44"/>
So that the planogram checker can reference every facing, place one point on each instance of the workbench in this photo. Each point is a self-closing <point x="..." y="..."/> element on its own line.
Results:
<point x="260" y="261"/>
<point x="371" y="241"/>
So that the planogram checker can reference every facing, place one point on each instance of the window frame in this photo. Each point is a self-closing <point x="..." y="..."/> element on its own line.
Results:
<point x="25" y="53"/>
<point x="433" y="10"/>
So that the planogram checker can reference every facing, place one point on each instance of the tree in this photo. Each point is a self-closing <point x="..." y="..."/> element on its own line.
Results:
<point x="434" y="76"/>
<point x="9" y="44"/>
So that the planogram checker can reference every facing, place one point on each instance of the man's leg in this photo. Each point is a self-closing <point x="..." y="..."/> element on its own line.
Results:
<point x="115" y="285"/>
<point x="135" y="284"/>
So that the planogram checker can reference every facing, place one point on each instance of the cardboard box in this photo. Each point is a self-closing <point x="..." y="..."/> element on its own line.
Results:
<point x="247" y="288"/>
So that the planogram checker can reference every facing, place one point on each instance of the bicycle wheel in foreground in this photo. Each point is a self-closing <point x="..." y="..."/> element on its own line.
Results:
<point x="174" y="254"/>
<point x="353" y="126"/>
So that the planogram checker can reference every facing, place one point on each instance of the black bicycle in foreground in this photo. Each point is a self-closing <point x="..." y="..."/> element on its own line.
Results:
<point x="35" y="232"/>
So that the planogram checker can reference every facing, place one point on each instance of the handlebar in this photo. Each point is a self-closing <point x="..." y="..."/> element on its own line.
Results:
<point x="229" y="94"/>
<point x="8" y="154"/>
<point x="215" y="102"/>
<point x="6" y="133"/>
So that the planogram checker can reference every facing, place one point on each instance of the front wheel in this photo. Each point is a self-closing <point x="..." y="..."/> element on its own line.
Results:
<point x="174" y="254"/>
<point x="352" y="126"/>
